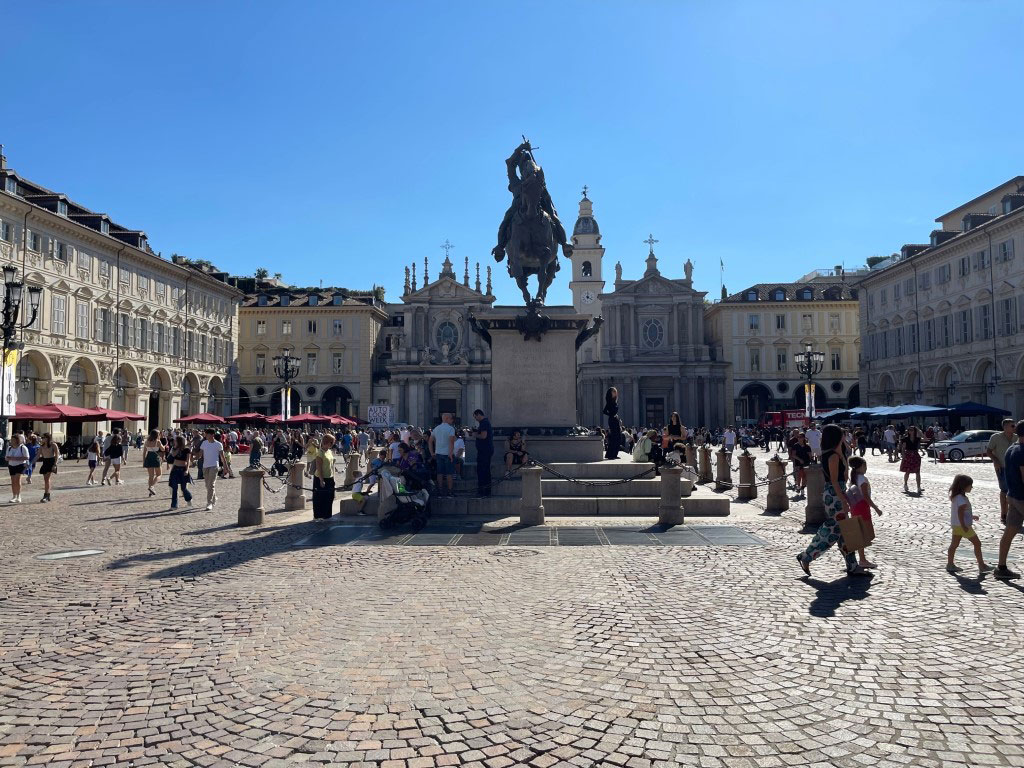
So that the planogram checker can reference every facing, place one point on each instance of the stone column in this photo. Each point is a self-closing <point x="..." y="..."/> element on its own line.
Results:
<point x="691" y="456"/>
<point x="635" y="406"/>
<point x="670" y="509"/>
<point x="747" y="488"/>
<point x="531" y="503"/>
<point x="814" y="512"/>
<point x="704" y="474"/>
<point x="723" y="470"/>
<point x="351" y="468"/>
<point x="778" y="498"/>
<point x="250" y="510"/>
<point x="295" y="497"/>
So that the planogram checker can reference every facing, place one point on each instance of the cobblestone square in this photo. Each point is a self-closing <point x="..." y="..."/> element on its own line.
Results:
<point x="189" y="641"/>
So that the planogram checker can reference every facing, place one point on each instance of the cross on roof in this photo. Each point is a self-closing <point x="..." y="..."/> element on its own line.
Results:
<point x="585" y="188"/>
<point x="447" y="247"/>
<point x="651" y="241"/>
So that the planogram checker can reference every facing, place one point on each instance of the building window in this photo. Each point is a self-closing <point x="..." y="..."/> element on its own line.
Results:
<point x="261" y="364"/>
<point x="285" y="300"/>
<point x="337" y="327"/>
<point x="161" y="292"/>
<point x="35" y="243"/>
<point x="755" y="360"/>
<point x="202" y="347"/>
<point x="82" y="319"/>
<point x="946" y="330"/>
<point x="190" y="345"/>
<point x="1006" y="250"/>
<point x="311" y="327"/>
<point x="779" y="294"/>
<point x="62" y="208"/>
<point x="1006" y="310"/>
<point x="5" y="231"/>
<point x="837" y="359"/>
<point x="964" y="326"/>
<point x="125" y="277"/>
<point x="896" y="292"/>
<point x="176" y="341"/>
<point x="883" y="297"/>
<point x="144" y="284"/>
<point x="311" y="363"/>
<point x="587" y="269"/>
<point x="447" y="334"/>
<point x="261" y="300"/>
<point x="161" y="338"/>
<point x="286" y="327"/>
<point x="985" y="318"/>
<point x="58" y="315"/>
<point x="965" y="266"/>
<point x="780" y="322"/>
<point x="833" y="322"/>
<point x="337" y="300"/>
<point x="751" y="295"/>
<point x="912" y="336"/>
<point x="807" y="322"/>
<point x="925" y="280"/>
<point x="261" y="327"/>
<point x="806" y="294"/>
<point x="929" y="335"/>
<point x="981" y="260"/>
<point x="338" y="362"/>
<point x="652" y="333"/>
<point x="753" y="322"/>
<point x="781" y="356"/>
<point x="313" y="299"/>
<point x="908" y="287"/>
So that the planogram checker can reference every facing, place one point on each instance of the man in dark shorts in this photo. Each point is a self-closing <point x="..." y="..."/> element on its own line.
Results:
<point x="996" y="450"/>
<point x="1013" y="467"/>
<point x="484" y="452"/>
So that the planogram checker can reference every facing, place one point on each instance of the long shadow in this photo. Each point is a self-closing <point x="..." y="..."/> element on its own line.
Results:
<point x="148" y="515"/>
<point x="832" y="594"/>
<point x="972" y="586"/>
<point x="219" y="557"/>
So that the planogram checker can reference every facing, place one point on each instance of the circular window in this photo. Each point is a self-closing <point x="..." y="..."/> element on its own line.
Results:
<point x="653" y="333"/>
<point x="260" y="391"/>
<point x="448" y="334"/>
<point x="837" y="386"/>
<point x="783" y="387"/>
<point x="310" y="391"/>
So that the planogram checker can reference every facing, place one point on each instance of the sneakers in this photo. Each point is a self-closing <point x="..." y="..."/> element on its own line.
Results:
<point x="46" y="498"/>
<point x="985" y="568"/>
<point x="953" y="569"/>
<point x="120" y="482"/>
<point x="1004" y="573"/>
<point x="152" y="492"/>
<point x="209" y="507"/>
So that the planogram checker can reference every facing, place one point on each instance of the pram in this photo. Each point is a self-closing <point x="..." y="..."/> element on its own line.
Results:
<point x="404" y="498"/>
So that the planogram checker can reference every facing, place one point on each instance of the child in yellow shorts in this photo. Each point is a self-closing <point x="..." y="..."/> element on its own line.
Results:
<point x="962" y="521"/>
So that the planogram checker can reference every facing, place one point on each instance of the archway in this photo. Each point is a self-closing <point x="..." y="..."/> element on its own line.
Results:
<point x="853" y="397"/>
<point x="885" y="387"/>
<point x="755" y="399"/>
<point x="820" y="398"/>
<point x="216" y="397"/>
<point x="160" y="387"/>
<point x="336" y="401"/>
<point x="189" y="394"/>
<point x="82" y="380"/>
<point x="296" y="402"/>
<point x="126" y="382"/>
<point x="33" y="374"/>
<point x="244" y="401"/>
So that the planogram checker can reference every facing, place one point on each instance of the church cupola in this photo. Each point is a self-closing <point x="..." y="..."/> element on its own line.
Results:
<point x="586" y="232"/>
<point x="587" y="285"/>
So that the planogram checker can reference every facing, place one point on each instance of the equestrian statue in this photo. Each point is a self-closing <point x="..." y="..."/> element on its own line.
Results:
<point x="530" y="233"/>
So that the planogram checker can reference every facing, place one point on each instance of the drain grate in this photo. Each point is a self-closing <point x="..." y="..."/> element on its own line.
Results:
<point x="69" y="553"/>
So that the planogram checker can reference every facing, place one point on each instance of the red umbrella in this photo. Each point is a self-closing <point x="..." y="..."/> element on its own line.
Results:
<point x="200" y="418"/>
<point x="248" y="417"/>
<point x="35" y="412"/>
<point x="74" y="413"/>
<point x="113" y="415"/>
<point x="341" y="421"/>
<point x="309" y="418"/>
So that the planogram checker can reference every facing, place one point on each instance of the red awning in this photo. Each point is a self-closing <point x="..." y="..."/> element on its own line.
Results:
<point x="113" y="415"/>
<point x="200" y="418"/>
<point x="248" y="417"/>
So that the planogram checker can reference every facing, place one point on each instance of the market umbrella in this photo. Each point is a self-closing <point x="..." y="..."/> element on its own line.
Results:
<point x="113" y="415"/>
<point x="971" y="408"/>
<point x="74" y="413"/>
<point x="35" y="412"/>
<point x="200" y="418"/>
<point x="248" y="417"/>
<point x="341" y="421"/>
<point x="309" y="418"/>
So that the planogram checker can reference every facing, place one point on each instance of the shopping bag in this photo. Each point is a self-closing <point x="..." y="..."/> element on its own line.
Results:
<point x="852" y="533"/>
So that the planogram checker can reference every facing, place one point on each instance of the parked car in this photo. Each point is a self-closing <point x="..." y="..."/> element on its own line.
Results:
<point x="972" y="442"/>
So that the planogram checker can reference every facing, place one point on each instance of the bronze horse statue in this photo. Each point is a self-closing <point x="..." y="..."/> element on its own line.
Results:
<point x="530" y="232"/>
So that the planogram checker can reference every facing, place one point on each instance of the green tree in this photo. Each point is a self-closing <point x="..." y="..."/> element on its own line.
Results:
<point x="261" y="274"/>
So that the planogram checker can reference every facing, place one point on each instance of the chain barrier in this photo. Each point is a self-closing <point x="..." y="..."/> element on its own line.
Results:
<point x="593" y="483"/>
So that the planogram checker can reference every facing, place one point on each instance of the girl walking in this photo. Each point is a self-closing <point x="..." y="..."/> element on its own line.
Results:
<point x="48" y="454"/>
<point x="962" y="522"/>
<point x="153" y="454"/>
<point x="835" y="468"/>
<point x="115" y="452"/>
<point x="179" y="477"/>
<point x="92" y="455"/>
<point x="17" y="460"/>
<point x="861" y="503"/>
<point x="911" y="463"/>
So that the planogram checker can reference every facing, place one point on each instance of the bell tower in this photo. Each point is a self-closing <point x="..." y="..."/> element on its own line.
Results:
<point x="587" y="283"/>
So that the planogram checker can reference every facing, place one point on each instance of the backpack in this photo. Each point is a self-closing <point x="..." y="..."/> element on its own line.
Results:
<point x="642" y="449"/>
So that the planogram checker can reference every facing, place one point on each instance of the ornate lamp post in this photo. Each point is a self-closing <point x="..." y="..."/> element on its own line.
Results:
<point x="9" y="326"/>
<point x="809" y="364"/>
<point x="287" y="368"/>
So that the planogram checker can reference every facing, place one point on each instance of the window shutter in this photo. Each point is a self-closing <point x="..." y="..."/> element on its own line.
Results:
<point x="97" y="324"/>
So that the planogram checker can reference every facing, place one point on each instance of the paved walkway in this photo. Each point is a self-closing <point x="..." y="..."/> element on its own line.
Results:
<point x="191" y="642"/>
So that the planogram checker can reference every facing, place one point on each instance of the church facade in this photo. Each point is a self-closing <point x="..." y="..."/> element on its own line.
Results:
<point x="651" y="346"/>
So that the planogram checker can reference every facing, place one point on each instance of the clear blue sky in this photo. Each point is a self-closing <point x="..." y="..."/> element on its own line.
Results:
<point x="340" y="141"/>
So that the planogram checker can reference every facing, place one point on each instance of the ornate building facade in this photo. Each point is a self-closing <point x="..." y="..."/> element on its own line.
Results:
<point x="759" y="329"/>
<point x="652" y="350"/>
<point x="118" y="326"/>
<point x="430" y="359"/>
<point x="332" y="331"/>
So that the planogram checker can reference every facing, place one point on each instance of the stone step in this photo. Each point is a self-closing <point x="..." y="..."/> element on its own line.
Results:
<point x="646" y="488"/>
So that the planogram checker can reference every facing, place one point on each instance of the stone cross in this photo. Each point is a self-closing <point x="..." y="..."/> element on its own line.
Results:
<point x="585" y="188"/>
<point x="447" y="247"/>
<point x="650" y="241"/>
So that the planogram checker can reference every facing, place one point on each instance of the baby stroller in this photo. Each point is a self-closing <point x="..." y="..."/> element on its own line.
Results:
<point x="404" y="498"/>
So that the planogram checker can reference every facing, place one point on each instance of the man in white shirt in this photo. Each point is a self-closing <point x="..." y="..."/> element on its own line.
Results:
<point x="813" y="436"/>
<point x="729" y="439"/>
<point x="213" y="455"/>
<point x="889" y="440"/>
<point x="106" y="459"/>
<point x="460" y="453"/>
<point x="442" y="446"/>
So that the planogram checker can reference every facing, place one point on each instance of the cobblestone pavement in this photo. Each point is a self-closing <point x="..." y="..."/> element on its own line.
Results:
<point x="191" y="642"/>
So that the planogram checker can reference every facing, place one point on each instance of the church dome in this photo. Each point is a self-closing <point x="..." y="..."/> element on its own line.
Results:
<point x="586" y="225"/>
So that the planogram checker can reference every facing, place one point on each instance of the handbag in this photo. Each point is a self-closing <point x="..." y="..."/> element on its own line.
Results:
<point x="852" y="532"/>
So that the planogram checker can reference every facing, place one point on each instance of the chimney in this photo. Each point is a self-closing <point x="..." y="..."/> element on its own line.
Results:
<point x="3" y="159"/>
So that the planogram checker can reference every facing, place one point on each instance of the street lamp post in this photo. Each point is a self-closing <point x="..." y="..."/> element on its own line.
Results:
<point x="809" y="364"/>
<point x="9" y="327"/>
<point x="287" y="368"/>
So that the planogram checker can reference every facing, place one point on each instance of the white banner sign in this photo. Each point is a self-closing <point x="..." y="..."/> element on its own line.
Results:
<point x="381" y="415"/>
<point x="10" y="390"/>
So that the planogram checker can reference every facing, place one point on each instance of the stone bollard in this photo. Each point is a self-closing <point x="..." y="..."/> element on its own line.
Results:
<point x="704" y="474"/>
<point x="723" y="467"/>
<point x="294" y="497"/>
<point x="814" y="512"/>
<point x="778" y="496"/>
<point x="531" y="503"/>
<point x="250" y="509"/>
<point x="685" y="486"/>
<point x="670" y="509"/>
<point x="691" y="457"/>
<point x="747" y="488"/>
<point x="351" y="469"/>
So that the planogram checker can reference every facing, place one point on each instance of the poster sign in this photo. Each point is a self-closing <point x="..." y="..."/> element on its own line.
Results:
<point x="9" y="388"/>
<point x="380" y="415"/>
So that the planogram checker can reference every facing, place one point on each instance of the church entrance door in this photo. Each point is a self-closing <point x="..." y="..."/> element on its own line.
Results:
<point x="654" y="412"/>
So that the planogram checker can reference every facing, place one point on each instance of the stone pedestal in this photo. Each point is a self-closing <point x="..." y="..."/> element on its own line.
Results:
<point x="250" y="510"/>
<point x="295" y="497"/>
<point x="691" y="457"/>
<point x="531" y="503"/>
<point x="778" y="497"/>
<point x="351" y="469"/>
<point x="723" y="470"/>
<point x="670" y="509"/>
<point x="814" y="512"/>
<point x="747" y="488"/>
<point x="704" y="473"/>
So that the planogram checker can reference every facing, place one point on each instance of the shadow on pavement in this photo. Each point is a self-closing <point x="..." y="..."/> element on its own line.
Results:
<point x="970" y="585"/>
<point x="832" y="594"/>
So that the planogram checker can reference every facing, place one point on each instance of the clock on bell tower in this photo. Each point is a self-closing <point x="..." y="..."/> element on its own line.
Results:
<point x="586" y="283"/>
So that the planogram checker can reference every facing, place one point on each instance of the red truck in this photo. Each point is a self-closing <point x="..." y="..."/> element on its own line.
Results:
<point x="794" y="419"/>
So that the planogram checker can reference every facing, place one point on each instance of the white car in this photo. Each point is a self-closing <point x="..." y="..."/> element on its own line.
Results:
<point x="973" y="442"/>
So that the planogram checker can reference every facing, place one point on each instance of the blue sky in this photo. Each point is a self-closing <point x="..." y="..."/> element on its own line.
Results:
<point x="341" y="141"/>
